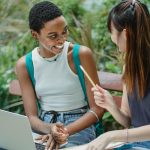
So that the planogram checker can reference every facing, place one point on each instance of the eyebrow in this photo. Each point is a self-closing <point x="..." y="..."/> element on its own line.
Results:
<point x="56" y="32"/>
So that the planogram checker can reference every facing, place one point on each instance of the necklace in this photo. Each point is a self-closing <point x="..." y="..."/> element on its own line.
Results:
<point x="54" y="58"/>
<point x="50" y="59"/>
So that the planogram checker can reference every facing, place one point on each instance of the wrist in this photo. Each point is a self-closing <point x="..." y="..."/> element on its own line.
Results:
<point x="66" y="130"/>
<point x="112" y="108"/>
<point x="95" y="114"/>
<point x="50" y="128"/>
<point x="111" y="136"/>
<point x="127" y="135"/>
<point x="119" y="136"/>
<point x="46" y="128"/>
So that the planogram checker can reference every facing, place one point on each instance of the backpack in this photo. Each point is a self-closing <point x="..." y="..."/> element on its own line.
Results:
<point x="30" y="70"/>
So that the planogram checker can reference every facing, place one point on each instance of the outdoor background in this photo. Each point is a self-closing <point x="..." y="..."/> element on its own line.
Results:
<point x="87" y="21"/>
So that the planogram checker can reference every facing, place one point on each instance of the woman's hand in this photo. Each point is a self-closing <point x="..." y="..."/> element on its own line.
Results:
<point x="100" y="143"/>
<point x="59" y="133"/>
<point x="103" y="98"/>
<point x="49" y="140"/>
<point x="57" y="136"/>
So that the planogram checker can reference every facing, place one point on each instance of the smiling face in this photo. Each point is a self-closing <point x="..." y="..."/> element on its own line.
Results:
<point x="52" y="36"/>
<point x="119" y="38"/>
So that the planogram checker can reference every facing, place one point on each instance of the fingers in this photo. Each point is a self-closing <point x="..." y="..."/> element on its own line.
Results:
<point x="50" y="143"/>
<point x="98" y="88"/>
<point x="64" y="130"/>
<point x="59" y="125"/>
<point x="99" y="97"/>
<point x="59" y="134"/>
<point x="61" y="139"/>
<point x="57" y="146"/>
<point x="39" y="137"/>
<point x="57" y="128"/>
<point x="45" y="138"/>
<point x="99" y="93"/>
<point x="42" y="138"/>
<point x="99" y="102"/>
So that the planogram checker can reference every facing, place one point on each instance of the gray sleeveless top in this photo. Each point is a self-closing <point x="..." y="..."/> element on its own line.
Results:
<point x="140" y="108"/>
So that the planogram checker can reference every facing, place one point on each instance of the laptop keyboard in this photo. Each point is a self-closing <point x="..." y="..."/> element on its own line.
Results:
<point x="40" y="146"/>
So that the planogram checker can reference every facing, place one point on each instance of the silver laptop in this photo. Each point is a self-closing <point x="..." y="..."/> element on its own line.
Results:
<point x="15" y="132"/>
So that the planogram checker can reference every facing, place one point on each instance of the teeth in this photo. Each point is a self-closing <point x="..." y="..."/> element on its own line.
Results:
<point x="61" y="46"/>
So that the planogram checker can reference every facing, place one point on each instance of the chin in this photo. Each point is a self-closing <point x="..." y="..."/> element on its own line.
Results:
<point x="56" y="50"/>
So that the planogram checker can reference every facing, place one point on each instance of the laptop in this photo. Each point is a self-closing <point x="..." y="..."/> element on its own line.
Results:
<point x="16" y="133"/>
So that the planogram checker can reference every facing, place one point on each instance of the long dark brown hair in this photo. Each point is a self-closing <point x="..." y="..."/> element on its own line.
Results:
<point x="134" y="16"/>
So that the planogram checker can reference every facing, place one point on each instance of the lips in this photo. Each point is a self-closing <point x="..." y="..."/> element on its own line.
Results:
<point x="57" y="49"/>
<point x="60" y="47"/>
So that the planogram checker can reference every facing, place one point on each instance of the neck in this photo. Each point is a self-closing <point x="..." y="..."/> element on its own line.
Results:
<point x="44" y="53"/>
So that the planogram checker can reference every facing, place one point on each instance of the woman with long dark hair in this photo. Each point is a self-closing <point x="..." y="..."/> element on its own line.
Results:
<point x="129" y="25"/>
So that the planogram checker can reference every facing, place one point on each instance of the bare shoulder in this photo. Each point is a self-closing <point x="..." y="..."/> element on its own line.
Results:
<point x="21" y="65"/>
<point x="85" y="51"/>
<point x="21" y="62"/>
<point x="86" y="56"/>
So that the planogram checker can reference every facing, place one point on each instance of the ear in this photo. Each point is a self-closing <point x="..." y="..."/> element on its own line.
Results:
<point x="34" y="34"/>
<point x="125" y="31"/>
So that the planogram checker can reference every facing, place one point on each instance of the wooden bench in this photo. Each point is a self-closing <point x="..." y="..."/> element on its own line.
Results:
<point x="109" y="81"/>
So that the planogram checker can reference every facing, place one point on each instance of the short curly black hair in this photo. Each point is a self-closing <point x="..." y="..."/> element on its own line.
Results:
<point x="41" y="13"/>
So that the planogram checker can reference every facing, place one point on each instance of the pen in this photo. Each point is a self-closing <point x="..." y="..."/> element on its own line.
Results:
<point x="86" y="74"/>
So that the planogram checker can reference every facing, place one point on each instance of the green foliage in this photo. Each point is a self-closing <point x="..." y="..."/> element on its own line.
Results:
<point x="87" y="27"/>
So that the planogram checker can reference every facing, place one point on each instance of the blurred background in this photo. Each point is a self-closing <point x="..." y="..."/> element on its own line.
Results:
<point x="87" y="21"/>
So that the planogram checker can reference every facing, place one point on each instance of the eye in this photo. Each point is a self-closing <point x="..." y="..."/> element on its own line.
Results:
<point x="52" y="37"/>
<point x="65" y="31"/>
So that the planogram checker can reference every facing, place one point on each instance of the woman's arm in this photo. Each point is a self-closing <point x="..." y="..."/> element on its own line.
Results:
<point x="87" y="61"/>
<point x="105" y="100"/>
<point x="29" y="98"/>
<point x="126" y="135"/>
<point x="51" y="131"/>
<point x="122" y="115"/>
<point x="132" y="135"/>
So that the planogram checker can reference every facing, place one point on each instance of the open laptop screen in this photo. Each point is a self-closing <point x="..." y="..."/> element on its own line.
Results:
<point x="15" y="132"/>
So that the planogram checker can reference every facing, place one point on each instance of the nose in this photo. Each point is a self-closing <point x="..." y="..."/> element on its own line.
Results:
<point x="61" y="39"/>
